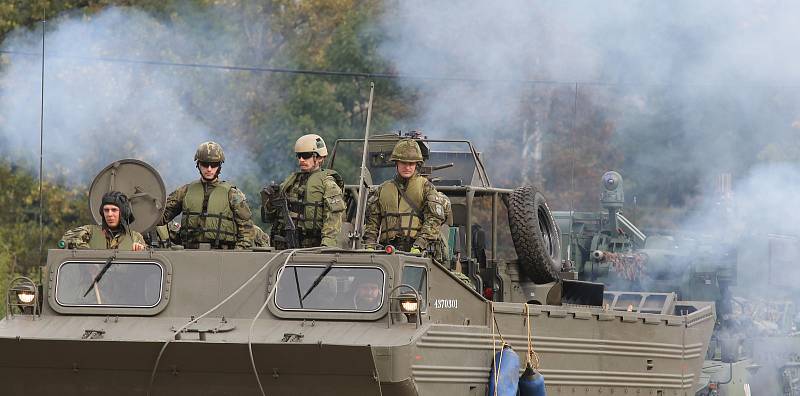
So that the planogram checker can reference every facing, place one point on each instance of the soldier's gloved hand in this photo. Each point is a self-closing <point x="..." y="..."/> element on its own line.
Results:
<point x="268" y="192"/>
<point x="416" y="250"/>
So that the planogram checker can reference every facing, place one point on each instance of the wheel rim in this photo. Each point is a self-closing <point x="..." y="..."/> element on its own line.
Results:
<point x="547" y="231"/>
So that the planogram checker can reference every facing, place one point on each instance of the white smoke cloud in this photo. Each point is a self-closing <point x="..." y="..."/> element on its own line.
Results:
<point x="97" y="111"/>
<point x="716" y="72"/>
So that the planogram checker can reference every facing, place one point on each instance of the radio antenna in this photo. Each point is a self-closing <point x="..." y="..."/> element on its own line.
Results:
<point x="41" y="149"/>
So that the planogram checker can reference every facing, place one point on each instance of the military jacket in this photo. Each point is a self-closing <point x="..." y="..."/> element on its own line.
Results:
<point x="315" y="204"/>
<point x="93" y="236"/>
<point x="404" y="221"/>
<point x="213" y="212"/>
<point x="260" y="238"/>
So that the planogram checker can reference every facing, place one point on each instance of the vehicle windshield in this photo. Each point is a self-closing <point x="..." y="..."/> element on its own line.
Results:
<point x="348" y="160"/>
<point x="124" y="284"/>
<point x="354" y="289"/>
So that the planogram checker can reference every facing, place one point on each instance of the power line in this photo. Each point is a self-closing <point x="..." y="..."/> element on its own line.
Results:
<point x="391" y="75"/>
<point x="330" y="73"/>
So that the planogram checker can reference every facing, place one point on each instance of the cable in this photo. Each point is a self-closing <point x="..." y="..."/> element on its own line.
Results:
<point x="388" y="75"/>
<point x="330" y="73"/>
<point x="179" y="330"/>
<point x="264" y="306"/>
<point x="41" y="152"/>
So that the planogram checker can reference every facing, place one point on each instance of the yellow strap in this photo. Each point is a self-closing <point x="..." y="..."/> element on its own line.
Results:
<point x="533" y="357"/>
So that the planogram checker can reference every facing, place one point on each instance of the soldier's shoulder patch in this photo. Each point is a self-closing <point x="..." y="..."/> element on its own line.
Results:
<point x="237" y="197"/>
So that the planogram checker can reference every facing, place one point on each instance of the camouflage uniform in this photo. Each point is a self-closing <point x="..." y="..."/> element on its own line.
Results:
<point x="397" y="221"/>
<point x="408" y="213"/>
<point x="260" y="238"/>
<point x="91" y="237"/>
<point x="241" y="216"/>
<point x="163" y="236"/>
<point x="316" y="207"/>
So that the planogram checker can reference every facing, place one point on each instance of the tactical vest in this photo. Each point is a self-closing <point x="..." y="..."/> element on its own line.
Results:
<point x="211" y="224"/>
<point x="398" y="218"/>
<point x="308" y="202"/>
<point x="100" y="242"/>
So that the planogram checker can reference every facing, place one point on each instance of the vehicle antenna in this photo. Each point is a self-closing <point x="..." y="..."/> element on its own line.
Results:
<point x="358" y="228"/>
<point x="572" y="171"/>
<point x="41" y="150"/>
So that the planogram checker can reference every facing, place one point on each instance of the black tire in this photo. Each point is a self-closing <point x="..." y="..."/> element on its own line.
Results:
<point x="535" y="235"/>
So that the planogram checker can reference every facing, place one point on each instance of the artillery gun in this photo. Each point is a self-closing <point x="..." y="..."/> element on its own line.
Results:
<point x="344" y="321"/>
<point x="755" y="347"/>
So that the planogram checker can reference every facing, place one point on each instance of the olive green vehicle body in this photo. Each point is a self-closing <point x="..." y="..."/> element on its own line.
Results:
<point x="635" y="343"/>
<point x="91" y="350"/>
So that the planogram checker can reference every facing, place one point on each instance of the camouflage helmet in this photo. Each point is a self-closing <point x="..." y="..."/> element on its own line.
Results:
<point x="407" y="150"/>
<point x="209" y="152"/>
<point x="311" y="143"/>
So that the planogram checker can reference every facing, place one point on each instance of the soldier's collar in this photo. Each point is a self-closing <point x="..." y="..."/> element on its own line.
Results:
<point x="402" y="181"/>
<point x="310" y="172"/>
<point x="113" y="233"/>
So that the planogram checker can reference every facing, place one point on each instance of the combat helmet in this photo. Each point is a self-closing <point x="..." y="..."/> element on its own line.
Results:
<point x="407" y="150"/>
<point x="311" y="143"/>
<point x="209" y="152"/>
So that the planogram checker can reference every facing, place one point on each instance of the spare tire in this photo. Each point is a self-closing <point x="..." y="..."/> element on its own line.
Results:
<point x="535" y="235"/>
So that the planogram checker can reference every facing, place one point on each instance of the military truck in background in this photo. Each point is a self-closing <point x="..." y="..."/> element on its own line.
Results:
<point x="174" y="321"/>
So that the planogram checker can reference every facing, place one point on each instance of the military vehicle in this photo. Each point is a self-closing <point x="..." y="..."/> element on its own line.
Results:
<point x="755" y="348"/>
<point x="344" y="321"/>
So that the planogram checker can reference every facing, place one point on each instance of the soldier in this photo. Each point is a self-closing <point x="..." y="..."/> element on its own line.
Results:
<point x="312" y="196"/>
<point x="407" y="210"/>
<point x="114" y="233"/>
<point x="214" y="211"/>
<point x="367" y="295"/>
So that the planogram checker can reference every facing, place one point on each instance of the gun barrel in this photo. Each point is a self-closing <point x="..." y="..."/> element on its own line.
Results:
<point x="442" y="166"/>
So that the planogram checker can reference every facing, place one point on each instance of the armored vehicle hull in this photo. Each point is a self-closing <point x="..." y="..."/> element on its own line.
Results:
<point x="175" y="322"/>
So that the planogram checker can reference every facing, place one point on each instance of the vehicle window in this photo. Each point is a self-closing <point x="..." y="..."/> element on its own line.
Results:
<point x="354" y="289"/>
<point x="416" y="277"/>
<point x="123" y="284"/>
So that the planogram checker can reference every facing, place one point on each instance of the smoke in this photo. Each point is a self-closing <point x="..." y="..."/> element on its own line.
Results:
<point x="670" y="94"/>
<point x="98" y="111"/>
<point x="689" y="90"/>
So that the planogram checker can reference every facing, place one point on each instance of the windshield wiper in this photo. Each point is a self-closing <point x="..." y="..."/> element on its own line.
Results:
<point x="297" y="284"/>
<point x="102" y="272"/>
<point x="317" y="281"/>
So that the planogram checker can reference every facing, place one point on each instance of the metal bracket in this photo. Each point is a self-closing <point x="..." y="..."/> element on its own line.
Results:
<point x="92" y="334"/>
<point x="222" y="327"/>
<point x="292" y="337"/>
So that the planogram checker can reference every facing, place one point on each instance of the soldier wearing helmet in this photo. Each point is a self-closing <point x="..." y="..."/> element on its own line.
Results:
<point x="214" y="211"/>
<point x="115" y="231"/>
<point x="407" y="211"/>
<point x="312" y="196"/>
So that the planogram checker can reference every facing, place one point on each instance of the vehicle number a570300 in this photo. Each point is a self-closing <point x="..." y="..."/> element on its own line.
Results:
<point x="444" y="303"/>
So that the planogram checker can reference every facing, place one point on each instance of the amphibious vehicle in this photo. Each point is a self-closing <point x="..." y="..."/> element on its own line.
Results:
<point x="174" y="321"/>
